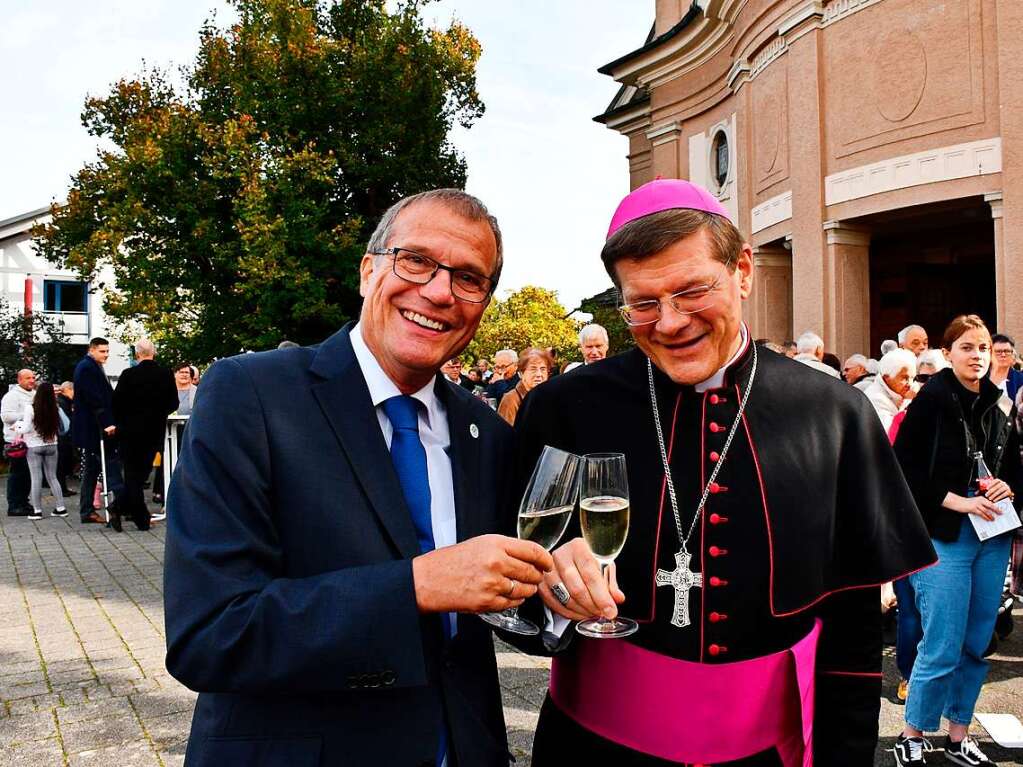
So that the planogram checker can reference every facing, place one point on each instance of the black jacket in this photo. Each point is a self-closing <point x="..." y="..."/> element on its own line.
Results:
<point x="290" y="604"/>
<point x="92" y="408"/>
<point x="932" y="447"/>
<point x="144" y="397"/>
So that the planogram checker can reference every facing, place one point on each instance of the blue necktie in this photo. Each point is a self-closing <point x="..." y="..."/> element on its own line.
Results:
<point x="409" y="458"/>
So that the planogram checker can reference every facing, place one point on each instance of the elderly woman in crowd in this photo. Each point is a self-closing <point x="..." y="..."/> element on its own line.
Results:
<point x="955" y="414"/>
<point x="1003" y="375"/>
<point x="186" y="388"/>
<point x="534" y="368"/>
<point x="892" y="387"/>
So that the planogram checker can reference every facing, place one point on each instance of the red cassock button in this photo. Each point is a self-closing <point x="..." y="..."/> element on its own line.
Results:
<point x="717" y="649"/>
<point x="714" y="399"/>
<point x="715" y="488"/>
<point x="714" y="551"/>
<point x="714" y="427"/>
<point x="715" y="617"/>
<point x="715" y="581"/>
<point x="714" y="456"/>
<point x="717" y="519"/>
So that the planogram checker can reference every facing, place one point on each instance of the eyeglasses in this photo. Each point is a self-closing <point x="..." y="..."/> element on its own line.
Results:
<point x="923" y="377"/>
<point x="689" y="301"/>
<point x="419" y="269"/>
<point x="1003" y="352"/>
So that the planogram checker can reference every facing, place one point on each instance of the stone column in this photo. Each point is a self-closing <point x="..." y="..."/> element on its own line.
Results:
<point x="1009" y="228"/>
<point x="769" y="309"/>
<point x="1001" y="262"/>
<point x="665" y="149"/>
<point x="810" y="278"/>
<point x="847" y="299"/>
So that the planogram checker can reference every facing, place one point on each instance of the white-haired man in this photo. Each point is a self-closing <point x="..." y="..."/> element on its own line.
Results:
<point x="913" y="338"/>
<point x="810" y="351"/>
<point x="892" y="389"/>
<point x="855" y="369"/>
<point x="593" y="343"/>
<point x="506" y="374"/>
<point x="144" y="397"/>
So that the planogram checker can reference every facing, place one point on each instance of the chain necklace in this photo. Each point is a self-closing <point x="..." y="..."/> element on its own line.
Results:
<point x="682" y="578"/>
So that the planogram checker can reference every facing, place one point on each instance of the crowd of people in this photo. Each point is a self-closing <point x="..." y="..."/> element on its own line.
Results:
<point x="111" y="437"/>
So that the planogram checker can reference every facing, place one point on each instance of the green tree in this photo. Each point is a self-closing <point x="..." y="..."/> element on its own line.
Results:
<point x="234" y="209"/>
<point x="36" y="342"/>
<point x="530" y="316"/>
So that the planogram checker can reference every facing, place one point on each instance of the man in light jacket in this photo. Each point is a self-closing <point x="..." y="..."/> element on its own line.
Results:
<point x="11" y="408"/>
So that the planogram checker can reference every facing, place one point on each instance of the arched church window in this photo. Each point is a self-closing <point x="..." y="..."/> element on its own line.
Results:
<point x="719" y="158"/>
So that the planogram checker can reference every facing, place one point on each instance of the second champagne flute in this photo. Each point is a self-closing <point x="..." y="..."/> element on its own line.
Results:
<point x="544" y="514"/>
<point x="604" y="518"/>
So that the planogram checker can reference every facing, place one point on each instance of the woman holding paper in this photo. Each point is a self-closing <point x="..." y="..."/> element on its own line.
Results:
<point x="957" y="413"/>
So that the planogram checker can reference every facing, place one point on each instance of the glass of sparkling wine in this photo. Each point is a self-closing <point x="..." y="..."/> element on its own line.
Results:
<point x="544" y="514"/>
<point x="604" y="518"/>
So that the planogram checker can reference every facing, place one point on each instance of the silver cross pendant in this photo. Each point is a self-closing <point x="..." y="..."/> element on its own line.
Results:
<point x="683" y="579"/>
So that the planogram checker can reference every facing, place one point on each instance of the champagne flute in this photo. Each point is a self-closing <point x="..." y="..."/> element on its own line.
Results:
<point x="544" y="514"/>
<point x="604" y="518"/>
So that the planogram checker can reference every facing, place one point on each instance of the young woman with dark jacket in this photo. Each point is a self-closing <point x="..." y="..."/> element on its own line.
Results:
<point x="958" y="412"/>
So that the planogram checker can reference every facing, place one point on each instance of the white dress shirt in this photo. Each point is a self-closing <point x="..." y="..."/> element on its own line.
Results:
<point x="433" y="432"/>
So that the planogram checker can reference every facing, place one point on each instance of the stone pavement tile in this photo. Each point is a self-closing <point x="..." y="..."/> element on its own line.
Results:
<point x="87" y="712"/>
<point x="170" y="730"/>
<point x="16" y="692"/>
<point x="133" y="754"/>
<point x="25" y="728"/>
<point x="44" y="753"/>
<point x="152" y="705"/>
<point x="7" y="681"/>
<point x="172" y="759"/>
<point x="114" y="730"/>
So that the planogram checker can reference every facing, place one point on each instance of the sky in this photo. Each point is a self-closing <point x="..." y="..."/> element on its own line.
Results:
<point x="549" y="173"/>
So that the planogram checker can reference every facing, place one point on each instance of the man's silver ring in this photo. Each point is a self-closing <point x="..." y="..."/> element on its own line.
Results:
<point x="561" y="593"/>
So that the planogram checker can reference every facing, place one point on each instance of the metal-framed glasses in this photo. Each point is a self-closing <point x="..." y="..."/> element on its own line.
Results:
<point x="689" y="301"/>
<point x="416" y="268"/>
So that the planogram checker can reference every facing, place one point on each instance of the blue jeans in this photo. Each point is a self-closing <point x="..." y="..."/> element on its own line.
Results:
<point x="909" y="630"/>
<point x="958" y="603"/>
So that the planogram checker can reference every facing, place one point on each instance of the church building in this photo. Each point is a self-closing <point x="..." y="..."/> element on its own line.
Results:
<point x="871" y="151"/>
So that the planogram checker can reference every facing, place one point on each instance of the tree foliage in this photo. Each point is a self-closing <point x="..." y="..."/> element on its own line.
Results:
<point x="234" y="209"/>
<point x="36" y="342"/>
<point x="531" y="316"/>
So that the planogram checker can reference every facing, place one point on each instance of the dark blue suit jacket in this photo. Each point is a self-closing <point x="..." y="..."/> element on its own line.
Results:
<point x="93" y="406"/>
<point x="289" y="598"/>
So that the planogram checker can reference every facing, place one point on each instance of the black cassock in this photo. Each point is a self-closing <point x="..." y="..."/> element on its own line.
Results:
<point x="811" y="514"/>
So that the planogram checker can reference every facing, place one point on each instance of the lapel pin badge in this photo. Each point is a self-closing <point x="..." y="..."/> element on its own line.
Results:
<point x="474" y="431"/>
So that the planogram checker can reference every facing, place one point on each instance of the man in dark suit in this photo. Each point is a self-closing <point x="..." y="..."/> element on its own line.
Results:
<point x="144" y="397"/>
<point x="91" y="421"/>
<point x="331" y="526"/>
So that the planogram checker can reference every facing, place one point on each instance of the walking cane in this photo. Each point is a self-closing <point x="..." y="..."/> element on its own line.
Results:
<point x="103" y="469"/>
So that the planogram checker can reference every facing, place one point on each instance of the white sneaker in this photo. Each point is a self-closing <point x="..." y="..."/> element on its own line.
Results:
<point x="966" y="752"/>
<point x="35" y="514"/>
<point x="158" y="517"/>
<point x="60" y="513"/>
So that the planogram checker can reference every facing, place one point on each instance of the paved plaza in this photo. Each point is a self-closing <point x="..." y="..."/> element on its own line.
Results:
<point x="82" y="679"/>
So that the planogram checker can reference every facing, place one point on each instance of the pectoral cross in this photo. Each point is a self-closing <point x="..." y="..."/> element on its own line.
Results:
<point x="683" y="579"/>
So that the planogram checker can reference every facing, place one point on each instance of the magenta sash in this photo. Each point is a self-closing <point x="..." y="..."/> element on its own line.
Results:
<point x="695" y="713"/>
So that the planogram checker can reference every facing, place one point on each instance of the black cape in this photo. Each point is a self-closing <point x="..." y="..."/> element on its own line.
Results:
<point x="812" y="514"/>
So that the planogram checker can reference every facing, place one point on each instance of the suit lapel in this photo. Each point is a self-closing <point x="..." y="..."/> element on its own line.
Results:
<point x="464" y="453"/>
<point x="344" y="399"/>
